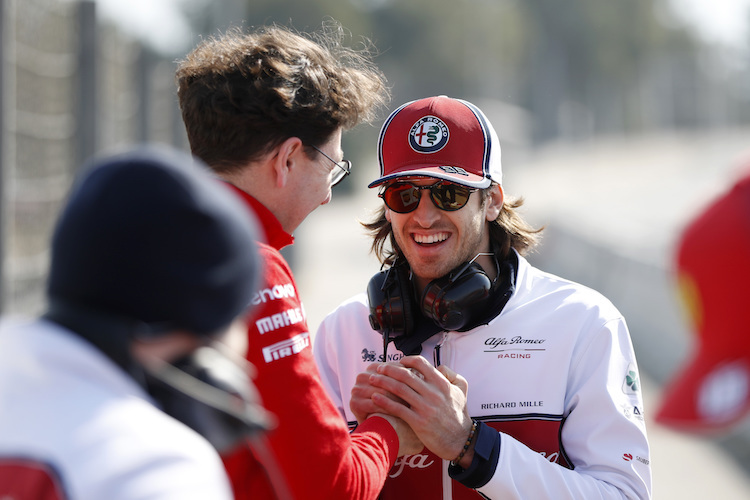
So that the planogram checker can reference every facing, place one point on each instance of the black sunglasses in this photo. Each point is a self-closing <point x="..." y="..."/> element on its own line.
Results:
<point x="403" y="197"/>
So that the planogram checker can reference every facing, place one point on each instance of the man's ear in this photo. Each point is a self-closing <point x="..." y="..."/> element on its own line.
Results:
<point x="494" y="203"/>
<point x="286" y="159"/>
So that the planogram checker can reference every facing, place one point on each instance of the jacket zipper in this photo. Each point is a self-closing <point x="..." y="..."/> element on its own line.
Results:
<point x="436" y="354"/>
<point x="437" y="360"/>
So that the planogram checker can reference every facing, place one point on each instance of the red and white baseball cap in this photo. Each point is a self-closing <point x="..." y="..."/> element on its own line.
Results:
<point x="712" y="391"/>
<point x="439" y="137"/>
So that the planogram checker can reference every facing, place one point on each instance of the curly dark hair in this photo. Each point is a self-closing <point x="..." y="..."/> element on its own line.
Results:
<point x="508" y="231"/>
<point x="241" y="95"/>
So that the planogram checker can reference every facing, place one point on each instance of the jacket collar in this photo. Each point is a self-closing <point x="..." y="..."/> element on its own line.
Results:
<point x="275" y="234"/>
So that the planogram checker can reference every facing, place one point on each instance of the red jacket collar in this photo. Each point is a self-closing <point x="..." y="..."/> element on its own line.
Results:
<point x="275" y="234"/>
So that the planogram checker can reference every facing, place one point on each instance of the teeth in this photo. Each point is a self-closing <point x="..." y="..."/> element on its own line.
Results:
<point x="432" y="238"/>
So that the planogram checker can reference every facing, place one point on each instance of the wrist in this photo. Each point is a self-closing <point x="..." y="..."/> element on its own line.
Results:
<point x="486" y="455"/>
<point x="466" y="455"/>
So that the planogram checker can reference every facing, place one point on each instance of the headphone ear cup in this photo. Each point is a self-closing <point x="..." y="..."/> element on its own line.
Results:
<point x="454" y="300"/>
<point x="391" y="304"/>
<point x="377" y="300"/>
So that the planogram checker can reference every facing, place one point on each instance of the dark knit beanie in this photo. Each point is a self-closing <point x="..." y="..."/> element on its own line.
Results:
<point x="150" y="235"/>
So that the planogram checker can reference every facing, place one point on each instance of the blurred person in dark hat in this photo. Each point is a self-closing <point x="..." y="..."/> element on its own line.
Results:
<point x="266" y="111"/>
<point x="711" y="392"/>
<point x="122" y="387"/>
<point x="520" y="384"/>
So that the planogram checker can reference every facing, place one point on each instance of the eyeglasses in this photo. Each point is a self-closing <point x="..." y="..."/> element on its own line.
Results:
<point x="345" y="168"/>
<point x="403" y="197"/>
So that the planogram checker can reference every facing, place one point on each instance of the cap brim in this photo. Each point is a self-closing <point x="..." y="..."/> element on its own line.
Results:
<point x="459" y="176"/>
<point x="710" y="394"/>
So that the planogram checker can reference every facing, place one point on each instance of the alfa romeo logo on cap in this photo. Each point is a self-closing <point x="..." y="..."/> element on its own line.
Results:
<point x="428" y="135"/>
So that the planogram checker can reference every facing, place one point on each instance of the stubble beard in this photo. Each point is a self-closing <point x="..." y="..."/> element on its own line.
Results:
<point x="441" y="266"/>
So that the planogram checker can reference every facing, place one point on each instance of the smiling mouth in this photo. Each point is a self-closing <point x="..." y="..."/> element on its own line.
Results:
<point x="430" y="239"/>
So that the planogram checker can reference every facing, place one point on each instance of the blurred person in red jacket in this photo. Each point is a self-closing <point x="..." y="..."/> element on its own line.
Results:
<point x="266" y="111"/>
<point x="712" y="390"/>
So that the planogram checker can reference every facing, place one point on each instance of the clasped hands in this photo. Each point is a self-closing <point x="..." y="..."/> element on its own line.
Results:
<point x="428" y="403"/>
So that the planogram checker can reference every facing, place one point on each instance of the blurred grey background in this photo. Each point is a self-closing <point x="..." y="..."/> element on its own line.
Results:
<point x="619" y="120"/>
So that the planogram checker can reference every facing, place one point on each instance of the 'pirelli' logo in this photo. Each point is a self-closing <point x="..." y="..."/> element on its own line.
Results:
<point x="286" y="348"/>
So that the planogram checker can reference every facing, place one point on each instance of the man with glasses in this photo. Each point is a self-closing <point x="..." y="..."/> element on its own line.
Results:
<point x="266" y="111"/>
<point x="554" y="409"/>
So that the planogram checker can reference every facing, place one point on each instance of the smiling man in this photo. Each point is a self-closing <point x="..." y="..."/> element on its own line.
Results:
<point x="550" y="413"/>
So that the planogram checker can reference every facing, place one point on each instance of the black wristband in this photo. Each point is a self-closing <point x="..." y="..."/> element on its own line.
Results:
<point x="484" y="463"/>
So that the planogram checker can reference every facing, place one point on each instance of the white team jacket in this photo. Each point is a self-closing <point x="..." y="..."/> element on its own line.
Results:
<point x="71" y="418"/>
<point x="555" y="373"/>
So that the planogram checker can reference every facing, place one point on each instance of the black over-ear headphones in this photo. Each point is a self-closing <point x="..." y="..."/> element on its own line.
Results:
<point x="389" y="294"/>
<point x="451" y="302"/>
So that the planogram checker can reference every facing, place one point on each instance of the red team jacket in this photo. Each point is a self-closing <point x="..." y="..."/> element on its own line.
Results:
<point x="311" y="443"/>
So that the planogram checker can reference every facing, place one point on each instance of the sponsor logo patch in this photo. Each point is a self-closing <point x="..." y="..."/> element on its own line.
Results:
<point x="428" y="135"/>
<point x="632" y="412"/>
<point x="279" y="320"/>
<point x="276" y="292"/>
<point x="628" y="457"/>
<point x="513" y="347"/>
<point x="631" y="384"/>
<point x="370" y="356"/>
<point x="412" y="461"/>
<point x="454" y="170"/>
<point x="286" y="348"/>
<point x="512" y="404"/>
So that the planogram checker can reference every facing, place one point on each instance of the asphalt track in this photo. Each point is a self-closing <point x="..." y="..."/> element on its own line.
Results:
<point x="612" y="209"/>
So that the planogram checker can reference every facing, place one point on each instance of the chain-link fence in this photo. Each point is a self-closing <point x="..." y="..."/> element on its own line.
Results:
<point x="70" y="87"/>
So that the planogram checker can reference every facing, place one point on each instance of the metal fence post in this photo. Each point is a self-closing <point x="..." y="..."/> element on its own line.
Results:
<point x="144" y="67"/>
<point x="3" y="101"/>
<point x="86" y="90"/>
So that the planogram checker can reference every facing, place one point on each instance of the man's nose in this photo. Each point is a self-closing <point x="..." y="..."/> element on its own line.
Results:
<point x="426" y="212"/>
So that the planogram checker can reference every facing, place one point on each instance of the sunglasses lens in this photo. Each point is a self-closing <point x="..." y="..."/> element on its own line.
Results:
<point x="450" y="197"/>
<point x="404" y="197"/>
<point x="401" y="198"/>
